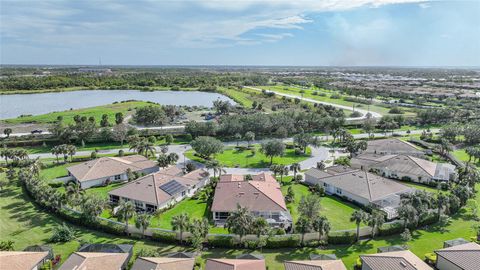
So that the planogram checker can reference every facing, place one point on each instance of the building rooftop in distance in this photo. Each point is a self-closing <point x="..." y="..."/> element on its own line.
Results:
<point x="234" y="264"/>
<point x="392" y="146"/>
<point x="395" y="260"/>
<point x="315" y="265"/>
<point x="465" y="256"/>
<point x="95" y="260"/>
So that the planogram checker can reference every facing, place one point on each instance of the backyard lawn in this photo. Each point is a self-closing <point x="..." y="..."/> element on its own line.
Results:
<point x="232" y="157"/>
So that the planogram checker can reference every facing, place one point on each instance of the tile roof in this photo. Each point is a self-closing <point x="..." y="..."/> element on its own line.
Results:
<point x="465" y="256"/>
<point x="364" y="184"/>
<point x="109" y="166"/>
<point x="234" y="264"/>
<point x="21" y="260"/>
<point x="263" y="195"/>
<point x="315" y="265"/>
<point x="163" y="263"/>
<point x="391" y="146"/>
<point x="395" y="260"/>
<point x="148" y="188"/>
<point x="94" y="260"/>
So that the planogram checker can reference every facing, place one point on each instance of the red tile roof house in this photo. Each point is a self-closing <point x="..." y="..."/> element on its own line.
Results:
<point x="234" y="264"/>
<point x="405" y="167"/>
<point x="160" y="190"/>
<point x="360" y="187"/>
<point x="395" y="260"/>
<point x="22" y="260"/>
<point x="262" y="196"/>
<point x="103" y="170"/>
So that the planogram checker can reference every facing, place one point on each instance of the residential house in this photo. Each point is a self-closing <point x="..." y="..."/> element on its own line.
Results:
<point x="459" y="257"/>
<point x="163" y="263"/>
<point x="96" y="260"/>
<point x="262" y="196"/>
<point x="315" y="265"/>
<point x="160" y="190"/>
<point x="22" y="260"/>
<point x="104" y="170"/>
<point x="234" y="264"/>
<point x="405" y="167"/>
<point x="395" y="260"/>
<point x="360" y="187"/>
<point x="392" y="146"/>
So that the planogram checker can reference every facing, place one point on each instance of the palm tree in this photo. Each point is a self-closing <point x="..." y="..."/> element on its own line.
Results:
<point x="58" y="199"/>
<point x="126" y="210"/>
<point x="6" y="154"/>
<point x="180" y="223"/>
<point x="322" y="226"/>
<point x="295" y="167"/>
<point x="71" y="149"/>
<point x="375" y="221"/>
<point x="213" y="165"/>
<point x="74" y="191"/>
<point x="239" y="222"/>
<point x="163" y="161"/>
<point x="55" y="151"/>
<point x="303" y="226"/>
<point x="283" y="170"/>
<point x="36" y="166"/>
<point x="358" y="216"/>
<point x="199" y="230"/>
<point x="260" y="226"/>
<point x="143" y="147"/>
<point x="172" y="158"/>
<point x="143" y="221"/>
<point x="442" y="201"/>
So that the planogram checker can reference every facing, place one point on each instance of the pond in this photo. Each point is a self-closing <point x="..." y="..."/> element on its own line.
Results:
<point x="12" y="106"/>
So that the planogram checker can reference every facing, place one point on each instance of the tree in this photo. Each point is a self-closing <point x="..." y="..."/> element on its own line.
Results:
<point x="62" y="233"/>
<point x="163" y="161"/>
<point x="238" y="137"/>
<point x="322" y="226"/>
<point x="118" y="118"/>
<point x="180" y="223"/>
<point x="290" y="197"/>
<point x="7" y="132"/>
<point x="7" y="245"/>
<point x="442" y="202"/>
<point x="249" y="137"/>
<point x="143" y="147"/>
<point x="260" y="226"/>
<point x="142" y="221"/>
<point x="71" y="150"/>
<point x="215" y="166"/>
<point x="409" y="214"/>
<point x="169" y="139"/>
<point x="273" y="148"/>
<point x="369" y="126"/>
<point x="295" y="167"/>
<point x="150" y="116"/>
<point x="303" y="140"/>
<point x="303" y="226"/>
<point x="375" y="221"/>
<point x="321" y="165"/>
<point x="104" y="122"/>
<point x="463" y="193"/>
<point x="120" y="133"/>
<point x="239" y="222"/>
<point x="92" y="206"/>
<point x="358" y="216"/>
<point x="309" y="206"/>
<point x="74" y="192"/>
<point x="472" y="205"/>
<point x="406" y="235"/>
<point x="222" y="107"/>
<point x="35" y="167"/>
<point x="445" y="147"/>
<point x="206" y="146"/>
<point x="125" y="211"/>
<point x="199" y="231"/>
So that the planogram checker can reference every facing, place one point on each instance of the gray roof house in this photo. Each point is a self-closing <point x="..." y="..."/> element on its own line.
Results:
<point x="161" y="189"/>
<point x="103" y="170"/>
<point x="459" y="257"/>
<point x="360" y="187"/>
<point x="315" y="265"/>
<point x="22" y="260"/>
<point x="163" y="263"/>
<point x="395" y="260"/>
<point x="392" y="146"/>
<point x="405" y="167"/>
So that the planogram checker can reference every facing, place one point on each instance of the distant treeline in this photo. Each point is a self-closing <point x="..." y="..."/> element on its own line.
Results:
<point x="175" y="80"/>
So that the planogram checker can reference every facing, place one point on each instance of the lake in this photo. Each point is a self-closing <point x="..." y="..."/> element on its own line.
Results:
<point x="12" y="106"/>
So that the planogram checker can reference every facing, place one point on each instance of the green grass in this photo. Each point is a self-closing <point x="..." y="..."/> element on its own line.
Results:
<point x="463" y="156"/>
<point x="25" y="224"/>
<point x="232" y="157"/>
<point x="240" y="97"/>
<point x="97" y="112"/>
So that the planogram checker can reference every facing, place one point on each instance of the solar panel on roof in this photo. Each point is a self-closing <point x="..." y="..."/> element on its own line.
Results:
<point x="172" y="187"/>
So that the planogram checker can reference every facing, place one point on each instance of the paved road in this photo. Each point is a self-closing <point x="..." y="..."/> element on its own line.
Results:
<point x="363" y="112"/>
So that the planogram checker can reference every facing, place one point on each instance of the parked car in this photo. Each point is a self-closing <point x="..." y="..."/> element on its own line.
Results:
<point x="37" y="131"/>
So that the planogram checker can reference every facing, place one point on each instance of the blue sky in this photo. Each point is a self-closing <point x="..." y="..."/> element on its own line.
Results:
<point x="248" y="32"/>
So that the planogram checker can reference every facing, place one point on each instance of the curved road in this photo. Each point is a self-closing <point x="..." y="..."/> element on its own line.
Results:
<point x="363" y="112"/>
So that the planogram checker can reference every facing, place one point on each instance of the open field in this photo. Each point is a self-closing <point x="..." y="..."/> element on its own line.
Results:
<point x="97" y="112"/>
<point x="232" y="157"/>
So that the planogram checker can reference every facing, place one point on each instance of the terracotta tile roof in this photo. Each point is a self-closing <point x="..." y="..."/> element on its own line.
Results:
<point x="148" y="188"/>
<point x="465" y="256"/>
<point x="396" y="260"/>
<point x="163" y="263"/>
<point x="264" y="195"/>
<point x="234" y="264"/>
<point x="21" y="260"/>
<point x="94" y="260"/>
<point x="364" y="184"/>
<point x="109" y="166"/>
<point x="315" y="265"/>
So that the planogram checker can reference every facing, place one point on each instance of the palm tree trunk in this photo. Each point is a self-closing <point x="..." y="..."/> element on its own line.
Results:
<point x="271" y="160"/>
<point x="358" y="232"/>
<point x="303" y="238"/>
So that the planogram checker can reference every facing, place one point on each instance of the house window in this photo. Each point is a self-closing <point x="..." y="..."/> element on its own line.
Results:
<point x="338" y="191"/>
<point x="139" y="204"/>
<point x="419" y="178"/>
<point x="221" y="215"/>
<point x="183" y="193"/>
<point x="118" y="177"/>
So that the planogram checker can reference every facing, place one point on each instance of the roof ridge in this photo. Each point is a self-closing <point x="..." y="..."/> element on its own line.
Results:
<point x="368" y="185"/>
<point x="414" y="159"/>
<point x="339" y="174"/>
<point x="285" y="208"/>
<point x="95" y="162"/>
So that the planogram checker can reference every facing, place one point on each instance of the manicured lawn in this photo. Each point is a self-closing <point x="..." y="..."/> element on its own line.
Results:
<point x="337" y="211"/>
<point x="240" y="97"/>
<point x="232" y="157"/>
<point x="103" y="191"/>
<point x="462" y="155"/>
<point x="97" y="112"/>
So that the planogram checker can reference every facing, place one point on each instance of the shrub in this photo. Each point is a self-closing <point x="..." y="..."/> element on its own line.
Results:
<point x="93" y="155"/>
<point x="341" y="238"/>
<point x="6" y="245"/>
<point x="335" y="96"/>
<point x="56" y="184"/>
<point x="285" y="241"/>
<point x="390" y="229"/>
<point x="121" y="153"/>
<point x="222" y="241"/>
<point x="431" y="258"/>
<point x="62" y="233"/>
<point x="355" y="114"/>
<point x="164" y="236"/>
<point x="395" y="110"/>
<point x="406" y="178"/>
<point x="406" y="235"/>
